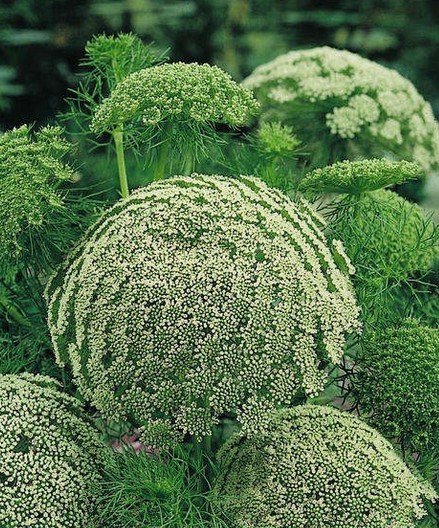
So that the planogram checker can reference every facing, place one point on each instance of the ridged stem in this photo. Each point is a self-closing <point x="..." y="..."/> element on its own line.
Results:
<point x="120" y="155"/>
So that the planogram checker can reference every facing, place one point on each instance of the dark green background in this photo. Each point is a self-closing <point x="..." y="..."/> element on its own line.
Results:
<point x="42" y="40"/>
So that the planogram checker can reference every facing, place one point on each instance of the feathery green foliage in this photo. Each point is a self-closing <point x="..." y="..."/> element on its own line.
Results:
<point x="356" y="177"/>
<point x="50" y="456"/>
<point x="200" y="297"/>
<point x="318" y="467"/>
<point x="395" y="383"/>
<point x="152" y="490"/>
<point x="389" y="240"/>
<point x="26" y="353"/>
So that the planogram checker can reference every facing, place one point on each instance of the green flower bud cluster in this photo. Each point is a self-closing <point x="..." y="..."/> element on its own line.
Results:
<point x="276" y="139"/>
<point x="201" y="296"/>
<point x="30" y="169"/>
<point x="175" y="92"/>
<point x="317" y="467"/>
<point x="50" y="456"/>
<point x="396" y="383"/>
<point x="113" y="57"/>
<point x="355" y="98"/>
<point x="356" y="177"/>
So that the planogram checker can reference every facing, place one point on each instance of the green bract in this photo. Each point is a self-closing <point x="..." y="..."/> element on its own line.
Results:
<point x="396" y="383"/>
<point x="175" y="92"/>
<point x="353" y="99"/>
<point x="31" y="167"/>
<point x="317" y="467"/>
<point x="50" y="456"/>
<point x="201" y="296"/>
<point x="356" y="177"/>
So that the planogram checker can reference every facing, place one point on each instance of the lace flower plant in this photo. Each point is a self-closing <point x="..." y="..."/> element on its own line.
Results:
<point x="174" y="105"/>
<point x="200" y="296"/>
<point x="318" y="467"/>
<point x="31" y="167"/>
<point x="389" y="240"/>
<point x="373" y="107"/>
<point x="50" y="456"/>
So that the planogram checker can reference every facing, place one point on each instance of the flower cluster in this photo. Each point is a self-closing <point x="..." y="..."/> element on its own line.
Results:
<point x="356" y="177"/>
<point x="50" y="456"/>
<point x="356" y="99"/>
<point x="30" y="168"/>
<point x="396" y="383"/>
<point x="318" y="467"/>
<point x="200" y="296"/>
<point x="176" y="92"/>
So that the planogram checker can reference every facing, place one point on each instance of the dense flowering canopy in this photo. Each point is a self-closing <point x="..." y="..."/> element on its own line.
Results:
<point x="355" y="177"/>
<point x="317" y="467"/>
<point x="396" y="383"/>
<point x="356" y="98"/>
<point x="176" y="92"/>
<point x="200" y="296"/>
<point x="49" y="456"/>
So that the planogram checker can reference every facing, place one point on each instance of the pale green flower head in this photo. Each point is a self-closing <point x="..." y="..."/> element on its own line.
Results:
<point x="372" y="108"/>
<point x="49" y="456"/>
<point x="201" y="94"/>
<point x="318" y="467"/>
<point x="201" y="296"/>
<point x="356" y="177"/>
<point x="396" y="383"/>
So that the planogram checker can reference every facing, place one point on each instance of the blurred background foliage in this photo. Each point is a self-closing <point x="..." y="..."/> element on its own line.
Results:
<point x="42" y="41"/>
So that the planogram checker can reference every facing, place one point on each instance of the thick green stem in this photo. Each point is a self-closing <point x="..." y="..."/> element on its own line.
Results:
<point x="189" y="163"/>
<point x="163" y="151"/>
<point x="161" y="160"/>
<point x="11" y="310"/>
<point x="123" y="179"/>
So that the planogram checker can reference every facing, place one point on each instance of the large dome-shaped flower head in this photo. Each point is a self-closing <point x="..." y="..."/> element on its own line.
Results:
<point x="49" y="456"/>
<point x="355" y="99"/>
<point x="318" y="467"/>
<point x="201" y="296"/>
<point x="396" y="383"/>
